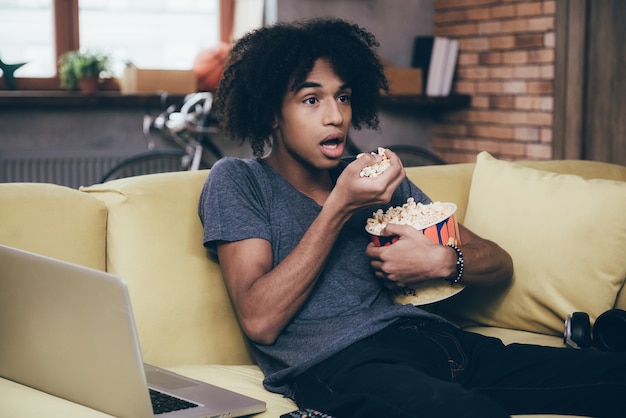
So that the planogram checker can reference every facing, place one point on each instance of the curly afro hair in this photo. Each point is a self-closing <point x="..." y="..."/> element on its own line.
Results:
<point x="265" y="63"/>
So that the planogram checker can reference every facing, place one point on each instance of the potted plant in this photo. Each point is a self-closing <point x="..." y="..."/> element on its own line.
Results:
<point x="83" y="69"/>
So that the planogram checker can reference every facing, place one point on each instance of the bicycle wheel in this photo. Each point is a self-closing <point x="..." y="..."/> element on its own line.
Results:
<point x="159" y="161"/>
<point x="412" y="156"/>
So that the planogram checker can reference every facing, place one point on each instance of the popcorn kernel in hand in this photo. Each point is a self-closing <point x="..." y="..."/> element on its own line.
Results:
<point x="378" y="167"/>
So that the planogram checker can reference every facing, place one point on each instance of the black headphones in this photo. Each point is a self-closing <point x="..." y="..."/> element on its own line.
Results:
<point x="608" y="334"/>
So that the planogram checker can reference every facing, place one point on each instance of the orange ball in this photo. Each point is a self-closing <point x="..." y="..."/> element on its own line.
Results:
<point x="209" y="66"/>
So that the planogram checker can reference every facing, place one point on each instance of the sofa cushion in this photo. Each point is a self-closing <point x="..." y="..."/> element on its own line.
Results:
<point x="247" y="380"/>
<point x="23" y="401"/>
<point x="154" y="242"/>
<point x="19" y="401"/>
<point x="566" y="236"/>
<point x="54" y="221"/>
<point x="444" y="183"/>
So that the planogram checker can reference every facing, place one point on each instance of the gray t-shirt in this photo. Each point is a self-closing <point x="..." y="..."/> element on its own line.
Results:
<point x="246" y="198"/>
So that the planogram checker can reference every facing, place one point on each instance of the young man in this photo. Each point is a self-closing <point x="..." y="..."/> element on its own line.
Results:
<point x="311" y="292"/>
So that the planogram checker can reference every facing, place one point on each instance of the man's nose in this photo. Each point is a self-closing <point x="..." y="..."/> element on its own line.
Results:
<point x="334" y="114"/>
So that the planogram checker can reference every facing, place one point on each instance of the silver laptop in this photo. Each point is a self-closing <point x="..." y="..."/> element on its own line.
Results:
<point x="69" y="331"/>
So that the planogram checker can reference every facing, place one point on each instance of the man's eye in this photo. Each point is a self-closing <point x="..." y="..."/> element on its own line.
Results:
<point x="344" y="98"/>
<point x="310" y="100"/>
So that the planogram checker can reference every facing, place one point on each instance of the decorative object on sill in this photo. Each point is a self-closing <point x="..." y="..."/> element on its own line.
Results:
<point x="83" y="64"/>
<point x="208" y="66"/>
<point x="8" y="71"/>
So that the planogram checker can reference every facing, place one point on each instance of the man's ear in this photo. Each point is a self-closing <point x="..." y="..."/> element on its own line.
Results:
<point x="275" y="122"/>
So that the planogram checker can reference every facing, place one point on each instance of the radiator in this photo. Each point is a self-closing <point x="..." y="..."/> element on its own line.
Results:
<point x="72" y="168"/>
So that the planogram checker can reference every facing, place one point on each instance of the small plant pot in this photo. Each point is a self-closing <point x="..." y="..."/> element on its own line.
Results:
<point x="88" y="85"/>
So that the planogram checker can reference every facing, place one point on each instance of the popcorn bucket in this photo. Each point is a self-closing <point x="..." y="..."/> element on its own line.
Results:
<point x="443" y="232"/>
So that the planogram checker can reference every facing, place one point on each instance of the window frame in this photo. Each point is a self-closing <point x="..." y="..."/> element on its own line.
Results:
<point x="67" y="38"/>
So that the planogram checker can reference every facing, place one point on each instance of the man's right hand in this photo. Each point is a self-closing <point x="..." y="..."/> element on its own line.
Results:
<point x="354" y="192"/>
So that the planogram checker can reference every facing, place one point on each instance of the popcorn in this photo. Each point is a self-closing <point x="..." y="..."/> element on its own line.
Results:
<point x="378" y="167"/>
<point x="417" y="215"/>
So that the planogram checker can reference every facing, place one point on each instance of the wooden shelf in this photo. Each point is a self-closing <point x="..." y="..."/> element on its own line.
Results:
<point x="71" y="99"/>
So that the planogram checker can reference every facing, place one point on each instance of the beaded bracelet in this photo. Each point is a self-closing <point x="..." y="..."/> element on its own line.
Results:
<point x="459" y="265"/>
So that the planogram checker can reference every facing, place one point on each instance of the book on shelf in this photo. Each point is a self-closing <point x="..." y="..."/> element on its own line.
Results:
<point x="450" y="67"/>
<point x="437" y="66"/>
<point x="437" y="57"/>
<point x="422" y="50"/>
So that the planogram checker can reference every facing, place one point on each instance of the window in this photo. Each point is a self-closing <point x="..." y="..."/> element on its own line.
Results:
<point x="150" y="33"/>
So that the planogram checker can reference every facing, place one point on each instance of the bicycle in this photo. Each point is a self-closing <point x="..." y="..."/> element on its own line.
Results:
<point x="191" y="128"/>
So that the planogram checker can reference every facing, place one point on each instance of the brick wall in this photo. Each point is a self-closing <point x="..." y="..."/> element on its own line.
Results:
<point x="506" y="63"/>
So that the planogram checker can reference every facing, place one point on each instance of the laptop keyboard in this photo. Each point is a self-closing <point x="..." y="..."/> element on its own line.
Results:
<point x="162" y="403"/>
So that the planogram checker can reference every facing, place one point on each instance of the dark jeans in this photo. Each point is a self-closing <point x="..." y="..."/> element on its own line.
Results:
<point x="427" y="369"/>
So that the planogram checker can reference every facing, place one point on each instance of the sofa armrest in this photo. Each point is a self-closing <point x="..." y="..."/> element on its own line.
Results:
<point x="54" y="221"/>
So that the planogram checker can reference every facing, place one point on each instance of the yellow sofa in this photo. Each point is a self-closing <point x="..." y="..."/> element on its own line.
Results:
<point x="146" y="229"/>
